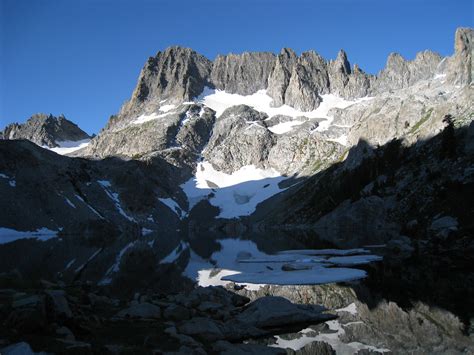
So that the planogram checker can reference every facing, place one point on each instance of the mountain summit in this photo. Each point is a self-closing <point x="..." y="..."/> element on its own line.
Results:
<point x="45" y="130"/>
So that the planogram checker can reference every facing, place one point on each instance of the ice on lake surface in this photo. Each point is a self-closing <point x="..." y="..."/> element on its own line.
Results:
<point x="241" y="261"/>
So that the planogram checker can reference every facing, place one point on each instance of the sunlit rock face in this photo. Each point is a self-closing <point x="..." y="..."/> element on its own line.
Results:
<point x="47" y="131"/>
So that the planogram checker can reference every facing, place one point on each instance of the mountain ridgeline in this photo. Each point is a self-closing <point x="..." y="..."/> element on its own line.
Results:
<point x="45" y="130"/>
<point x="180" y="74"/>
<point x="226" y="173"/>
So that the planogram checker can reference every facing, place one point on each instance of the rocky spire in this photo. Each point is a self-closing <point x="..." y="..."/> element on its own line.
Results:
<point x="339" y="71"/>
<point x="280" y="76"/>
<point x="177" y="74"/>
<point x="244" y="73"/>
<point x="460" y="69"/>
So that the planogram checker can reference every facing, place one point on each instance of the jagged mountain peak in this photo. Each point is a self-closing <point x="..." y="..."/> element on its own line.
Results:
<point x="177" y="77"/>
<point x="45" y="130"/>
<point x="463" y="39"/>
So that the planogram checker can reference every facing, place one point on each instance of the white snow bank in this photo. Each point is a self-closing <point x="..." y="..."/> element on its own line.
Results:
<point x="236" y="194"/>
<point x="153" y="116"/>
<point x="226" y="262"/>
<point x="315" y="276"/>
<point x="166" y="108"/>
<point x="11" y="181"/>
<point x="68" y="201"/>
<point x="175" y="254"/>
<point x="94" y="254"/>
<point x="69" y="264"/>
<point x="332" y="339"/>
<point x="284" y="127"/>
<point x="66" y="147"/>
<point x="8" y="235"/>
<point x="352" y="309"/>
<point x="146" y="231"/>
<point x="342" y="140"/>
<point x="219" y="101"/>
<point x="89" y="206"/>
<point x="107" y="186"/>
<point x="195" y="266"/>
<point x="107" y="280"/>
<point x="242" y="262"/>
<point x="173" y="206"/>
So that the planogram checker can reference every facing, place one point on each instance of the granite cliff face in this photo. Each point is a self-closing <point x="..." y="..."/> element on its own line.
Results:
<point x="45" y="130"/>
<point x="177" y="77"/>
<point x="242" y="74"/>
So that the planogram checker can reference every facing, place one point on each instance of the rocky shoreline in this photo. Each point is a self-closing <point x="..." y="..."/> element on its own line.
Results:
<point x="55" y="318"/>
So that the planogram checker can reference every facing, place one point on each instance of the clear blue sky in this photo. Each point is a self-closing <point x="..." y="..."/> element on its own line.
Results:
<point x="82" y="58"/>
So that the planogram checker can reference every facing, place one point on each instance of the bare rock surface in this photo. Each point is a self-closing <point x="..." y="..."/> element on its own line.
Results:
<point x="45" y="130"/>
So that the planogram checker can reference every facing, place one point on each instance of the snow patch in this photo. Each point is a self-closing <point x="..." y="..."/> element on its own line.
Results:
<point x="146" y="118"/>
<point x="175" y="254"/>
<point x="66" y="147"/>
<point x="80" y="268"/>
<point x="11" y="181"/>
<point x="352" y="309"/>
<point x="173" y="206"/>
<point x="236" y="194"/>
<point x="284" y="127"/>
<point x="8" y="235"/>
<point x="240" y="261"/>
<point x="195" y="266"/>
<point x="68" y="201"/>
<point x="219" y="101"/>
<point x="90" y="207"/>
<point x="166" y="108"/>
<point x="69" y="264"/>
<point x="315" y="276"/>
<point x="146" y="231"/>
<point x="107" y="186"/>
<point x="332" y="339"/>
<point x="342" y="140"/>
<point x="116" y="266"/>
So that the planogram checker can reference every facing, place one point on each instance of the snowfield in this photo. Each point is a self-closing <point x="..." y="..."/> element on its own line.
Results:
<point x="285" y="127"/>
<point x="107" y="186"/>
<point x="66" y="147"/>
<point x="11" y="181"/>
<point x="240" y="261"/>
<point x="236" y="194"/>
<point x="220" y="100"/>
<point x="8" y="235"/>
<point x="173" y="206"/>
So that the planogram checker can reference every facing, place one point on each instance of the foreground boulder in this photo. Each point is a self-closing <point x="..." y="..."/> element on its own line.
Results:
<point x="274" y="311"/>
